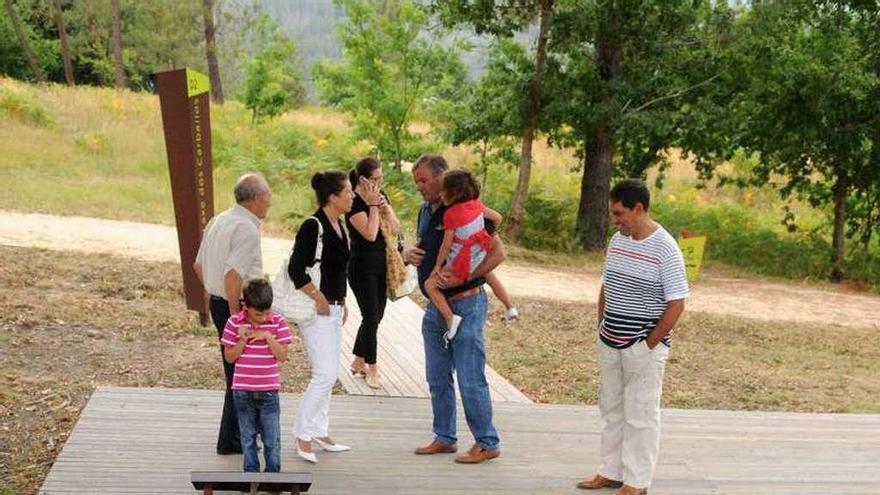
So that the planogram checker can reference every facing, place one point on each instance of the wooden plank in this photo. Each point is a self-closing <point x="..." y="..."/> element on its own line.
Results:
<point x="401" y="357"/>
<point x="130" y="441"/>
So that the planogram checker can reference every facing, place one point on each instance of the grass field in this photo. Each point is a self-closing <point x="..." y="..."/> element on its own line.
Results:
<point x="716" y="362"/>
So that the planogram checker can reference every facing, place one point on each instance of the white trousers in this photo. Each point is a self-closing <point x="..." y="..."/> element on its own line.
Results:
<point x="321" y="339"/>
<point x="630" y="386"/>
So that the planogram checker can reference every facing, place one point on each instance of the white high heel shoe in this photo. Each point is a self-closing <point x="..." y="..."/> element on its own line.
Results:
<point x="331" y="447"/>
<point x="306" y="456"/>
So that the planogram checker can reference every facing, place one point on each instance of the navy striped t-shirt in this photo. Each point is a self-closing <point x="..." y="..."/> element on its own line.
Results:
<point x="640" y="279"/>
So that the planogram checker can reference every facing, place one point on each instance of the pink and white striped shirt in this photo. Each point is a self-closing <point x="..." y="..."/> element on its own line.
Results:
<point x="257" y="368"/>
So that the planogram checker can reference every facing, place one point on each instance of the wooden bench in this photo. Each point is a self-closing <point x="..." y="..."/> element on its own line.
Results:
<point x="208" y="481"/>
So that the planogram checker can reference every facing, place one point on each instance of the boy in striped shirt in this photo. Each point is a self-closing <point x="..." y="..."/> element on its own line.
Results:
<point x="643" y="291"/>
<point x="256" y="339"/>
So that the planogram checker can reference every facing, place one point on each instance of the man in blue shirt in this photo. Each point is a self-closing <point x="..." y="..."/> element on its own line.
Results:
<point x="466" y="355"/>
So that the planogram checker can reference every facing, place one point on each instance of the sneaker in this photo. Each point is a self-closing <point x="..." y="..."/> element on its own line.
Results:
<point x="510" y="315"/>
<point x="453" y="329"/>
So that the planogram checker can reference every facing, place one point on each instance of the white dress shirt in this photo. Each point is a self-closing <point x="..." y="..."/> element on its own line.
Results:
<point x="231" y="242"/>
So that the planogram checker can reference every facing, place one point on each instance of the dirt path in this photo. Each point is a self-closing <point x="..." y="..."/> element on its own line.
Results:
<point x="753" y="298"/>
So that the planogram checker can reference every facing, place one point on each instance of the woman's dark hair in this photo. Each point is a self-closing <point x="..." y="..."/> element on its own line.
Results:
<point x="363" y="168"/>
<point x="630" y="192"/>
<point x="257" y="294"/>
<point x="460" y="185"/>
<point x="326" y="184"/>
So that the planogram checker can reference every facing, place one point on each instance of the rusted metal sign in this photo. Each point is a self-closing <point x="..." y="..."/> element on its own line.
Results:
<point x="183" y="97"/>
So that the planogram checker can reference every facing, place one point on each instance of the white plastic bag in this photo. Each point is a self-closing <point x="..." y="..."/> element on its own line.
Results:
<point x="406" y="287"/>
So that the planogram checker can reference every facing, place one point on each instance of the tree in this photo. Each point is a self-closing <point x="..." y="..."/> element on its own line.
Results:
<point x="808" y="106"/>
<point x="503" y="19"/>
<point x="626" y="72"/>
<point x="119" y="68"/>
<point x="390" y="68"/>
<point x="65" y="46"/>
<point x="211" y="51"/>
<point x="24" y="41"/>
<point x="490" y="114"/>
<point x="272" y="84"/>
<point x="74" y="41"/>
<point x="234" y="39"/>
<point x="159" y="35"/>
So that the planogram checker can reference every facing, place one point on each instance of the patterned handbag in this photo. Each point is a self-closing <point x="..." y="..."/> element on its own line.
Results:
<point x="401" y="279"/>
<point x="293" y="304"/>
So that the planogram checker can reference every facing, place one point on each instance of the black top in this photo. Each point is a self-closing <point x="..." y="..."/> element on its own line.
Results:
<point x="365" y="255"/>
<point x="334" y="257"/>
<point x="430" y="232"/>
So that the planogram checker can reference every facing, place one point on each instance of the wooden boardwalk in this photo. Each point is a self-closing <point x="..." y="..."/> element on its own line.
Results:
<point x="401" y="356"/>
<point x="146" y="441"/>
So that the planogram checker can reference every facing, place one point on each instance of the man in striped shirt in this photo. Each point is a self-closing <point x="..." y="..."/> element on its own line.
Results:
<point x="256" y="339"/>
<point x="642" y="297"/>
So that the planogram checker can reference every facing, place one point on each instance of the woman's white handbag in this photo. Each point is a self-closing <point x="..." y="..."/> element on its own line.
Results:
<point x="295" y="304"/>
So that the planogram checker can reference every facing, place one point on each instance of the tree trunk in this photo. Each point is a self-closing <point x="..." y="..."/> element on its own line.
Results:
<point x="398" y="151"/>
<point x="211" y="51"/>
<point x="841" y="189"/>
<point x="65" y="47"/>
<point x="24" y="42"/>
<point x="484" y="150"/>
<point x="521" y="195"/>
<point x="592" y="223"/>
<point x="592" y="219"/>
<point x="117" y="46"/>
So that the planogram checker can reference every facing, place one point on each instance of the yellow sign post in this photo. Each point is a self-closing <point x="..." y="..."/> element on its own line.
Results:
<point x="692" y="248"/>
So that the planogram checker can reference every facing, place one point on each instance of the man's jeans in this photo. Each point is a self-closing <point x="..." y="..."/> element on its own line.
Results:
<point x="466" y="355"/>
<point x="259" y="412"/>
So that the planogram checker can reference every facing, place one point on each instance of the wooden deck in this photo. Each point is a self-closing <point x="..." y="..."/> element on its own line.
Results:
<point x="146" y="441"/>
<point x="401" y="356"/>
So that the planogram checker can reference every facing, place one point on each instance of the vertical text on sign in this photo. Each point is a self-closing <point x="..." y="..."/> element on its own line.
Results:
<point x="198" y="142"/>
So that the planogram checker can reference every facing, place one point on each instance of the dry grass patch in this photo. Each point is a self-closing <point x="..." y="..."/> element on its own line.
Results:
<point x="717" y="362"/>
<point x="72" y="322"/>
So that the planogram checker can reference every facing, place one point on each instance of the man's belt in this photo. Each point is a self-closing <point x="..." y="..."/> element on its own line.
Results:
<point x="465" y="293"/>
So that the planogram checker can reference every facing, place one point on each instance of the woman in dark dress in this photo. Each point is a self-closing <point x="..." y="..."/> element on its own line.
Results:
<point x="368" y="266"/>
<point x="322" y="335"/>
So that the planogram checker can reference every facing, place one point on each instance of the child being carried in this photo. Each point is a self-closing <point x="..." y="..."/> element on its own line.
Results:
<point x="465" y="239"/>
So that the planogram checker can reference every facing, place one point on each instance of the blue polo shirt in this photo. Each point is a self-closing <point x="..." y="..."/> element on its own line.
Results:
<point x="429" y="228"/>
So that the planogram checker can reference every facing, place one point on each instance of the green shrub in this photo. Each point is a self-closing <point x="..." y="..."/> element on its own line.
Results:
<point x="293" y="143"/>
<point x="548" y="223"/>
<point x="736" y="236"/>
<point x="93" y="142"/>
<point x="15" y="106"/>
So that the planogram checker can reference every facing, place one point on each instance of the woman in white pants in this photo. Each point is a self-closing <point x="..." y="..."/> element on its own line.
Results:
<point x="321" y="336"/>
